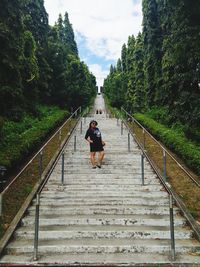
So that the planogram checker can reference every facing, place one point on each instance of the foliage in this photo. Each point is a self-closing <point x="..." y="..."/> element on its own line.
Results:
<point x="19" y="139"/>
<point x="160" y="67"/>
<point x="187" y="150"/>
<point x="39" y="64"/>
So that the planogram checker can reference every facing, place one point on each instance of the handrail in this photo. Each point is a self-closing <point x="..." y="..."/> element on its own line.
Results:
<point x="164" y="149"/>
<point x="37" y="213"/>
<point x="169" y="191"/>
<point x="168" y="188"/>
<point x="14" y="179"/>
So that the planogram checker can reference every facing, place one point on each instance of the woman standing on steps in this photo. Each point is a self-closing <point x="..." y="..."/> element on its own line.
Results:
<point x="93" y="136"/>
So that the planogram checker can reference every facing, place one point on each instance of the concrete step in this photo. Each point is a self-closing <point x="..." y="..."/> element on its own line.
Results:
<point x="103" y="246"/>
<point x="60" y="232"/>
<point x="105" y="259"/>
<point x="105" y="187"/>
<point x="148" y="220"/>
<point x="104" y="194"/>
<point x="106" y="201"/>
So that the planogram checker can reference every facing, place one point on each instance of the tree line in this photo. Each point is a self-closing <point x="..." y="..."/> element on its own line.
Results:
<point x="160" y="68"/>
<point x="39" y="63"/>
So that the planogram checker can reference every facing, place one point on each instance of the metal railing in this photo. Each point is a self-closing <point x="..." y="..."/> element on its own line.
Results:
<point x="61" y="156"/>
<point x="162" y="165"/>
<point x="13" y="197"/>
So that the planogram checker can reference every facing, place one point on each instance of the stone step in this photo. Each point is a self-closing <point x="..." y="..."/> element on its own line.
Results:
<point x="123" y="177"/>
<point x="104" y="194"/>
<point x="60" y="232"/>
<point x="105" y="201"/>
<point x="104" y="170"/>
<point x="103" y="246"/>
<point x="126" y="220"/>
<point x="115" y="181"/>
<point x="106" y="187"/>
<point x="98" y="210"/>
<point x="105" y="259"/>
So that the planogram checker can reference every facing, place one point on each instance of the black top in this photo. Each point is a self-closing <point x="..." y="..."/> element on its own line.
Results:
<point x="95" y="136"/>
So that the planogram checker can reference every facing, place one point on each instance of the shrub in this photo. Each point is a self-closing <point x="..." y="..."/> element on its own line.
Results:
<point x="187" y="150"/>
<point x="20" y="139"/>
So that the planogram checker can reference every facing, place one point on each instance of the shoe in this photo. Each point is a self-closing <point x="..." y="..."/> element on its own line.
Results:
<point x="94" y="167"/>
<point x="99" y="166"/>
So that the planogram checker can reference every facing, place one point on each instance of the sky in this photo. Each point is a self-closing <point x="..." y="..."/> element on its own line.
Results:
<point x="101" y="27"/>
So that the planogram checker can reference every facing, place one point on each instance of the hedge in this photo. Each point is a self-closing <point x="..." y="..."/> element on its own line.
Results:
<point x="20" y="139"/>
<point x="187" y="150"/>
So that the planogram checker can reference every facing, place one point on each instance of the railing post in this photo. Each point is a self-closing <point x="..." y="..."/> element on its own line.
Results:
<point x="63" y="168"/>
<point x="35" y="256"/>
<point x="143" y="138"/>
<point x="122" y="127"/>
<point x="172" y="227"/>
<point x="81" y="126"/>
<point x="40" y="164"/>
<point x="85" y="120"/>
<point x="60" y="137"/>
<point x="1" y="204"/>
<point x="164" y="165"/>
<point x="142" y="167"/>
<point x="129" y="145"/>
<point x="74" y="142"/>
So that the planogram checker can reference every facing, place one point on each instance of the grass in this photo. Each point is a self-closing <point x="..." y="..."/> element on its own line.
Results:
<point x="183" y="186"/>
<point x="17" y="193"/>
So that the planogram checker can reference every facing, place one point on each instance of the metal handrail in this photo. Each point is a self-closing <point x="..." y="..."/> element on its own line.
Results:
<point x="164" y="149"/>
<point x="14" y="179"/>
<point x="168" y="188"/>
<point x="37" y="213"/>
<point x="170" y="193"/>
<point x="16" y="219"/>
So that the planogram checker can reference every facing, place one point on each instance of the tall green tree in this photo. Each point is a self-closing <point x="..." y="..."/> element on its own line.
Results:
<point x="11" y="54"/>
<point x="69" y="35"/>
<point x="180" y="63"/>
<point x="152" y="50"/>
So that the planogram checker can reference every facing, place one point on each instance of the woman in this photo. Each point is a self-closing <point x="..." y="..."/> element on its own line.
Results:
<point x="93" y="136"/>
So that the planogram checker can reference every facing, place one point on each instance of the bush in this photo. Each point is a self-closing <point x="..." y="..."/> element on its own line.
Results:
<point x="20" y="139"/>
<point x="187" y="150"/>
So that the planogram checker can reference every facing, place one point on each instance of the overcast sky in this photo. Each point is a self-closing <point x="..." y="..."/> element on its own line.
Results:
<point x="100" y="27"/>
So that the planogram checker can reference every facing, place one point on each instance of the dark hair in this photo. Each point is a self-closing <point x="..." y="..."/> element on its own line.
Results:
<point x="93" y="121"/>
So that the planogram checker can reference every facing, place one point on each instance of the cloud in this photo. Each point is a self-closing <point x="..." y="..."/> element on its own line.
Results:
<point x="102" y="26"/>
<point x="98" y="72"/>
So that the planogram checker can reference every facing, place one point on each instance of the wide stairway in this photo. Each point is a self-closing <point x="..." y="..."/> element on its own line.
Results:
<point x="103" y="216"/>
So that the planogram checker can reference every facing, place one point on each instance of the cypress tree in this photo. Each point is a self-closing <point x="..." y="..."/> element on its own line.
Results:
<point x="152" y="50"/>
<point x="11" y="54"/>
<point x="181" y="59"/>
<point x="69" y="35"/>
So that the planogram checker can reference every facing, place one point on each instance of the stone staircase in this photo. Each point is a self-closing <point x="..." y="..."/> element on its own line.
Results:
<point x="103" y="216"/>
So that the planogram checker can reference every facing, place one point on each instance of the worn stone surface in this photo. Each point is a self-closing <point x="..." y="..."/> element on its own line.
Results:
<point x="103" y="216"/>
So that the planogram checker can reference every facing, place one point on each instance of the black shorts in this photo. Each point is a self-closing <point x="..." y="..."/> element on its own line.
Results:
<point x="96" y="147"/>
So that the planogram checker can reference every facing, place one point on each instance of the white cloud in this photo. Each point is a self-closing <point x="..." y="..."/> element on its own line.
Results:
<point x="98" y="72"/>
<point x="104" y="24"/>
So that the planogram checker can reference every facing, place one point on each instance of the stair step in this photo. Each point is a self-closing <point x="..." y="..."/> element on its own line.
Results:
<point x="103" y="231"/>
<point x="103" y="246"/>
<point x="108" y="210"/>
<point x="149" y="220"/>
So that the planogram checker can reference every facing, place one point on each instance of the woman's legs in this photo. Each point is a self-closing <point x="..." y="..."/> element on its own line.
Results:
<point x="92" y="158"/>
<point x="101" y="156"/>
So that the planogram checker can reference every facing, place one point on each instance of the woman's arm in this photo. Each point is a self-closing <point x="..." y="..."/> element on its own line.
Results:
<point x="89" y="140"/>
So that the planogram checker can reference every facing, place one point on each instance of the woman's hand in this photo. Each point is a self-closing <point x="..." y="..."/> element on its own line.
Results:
<point x="103" y="143"/>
